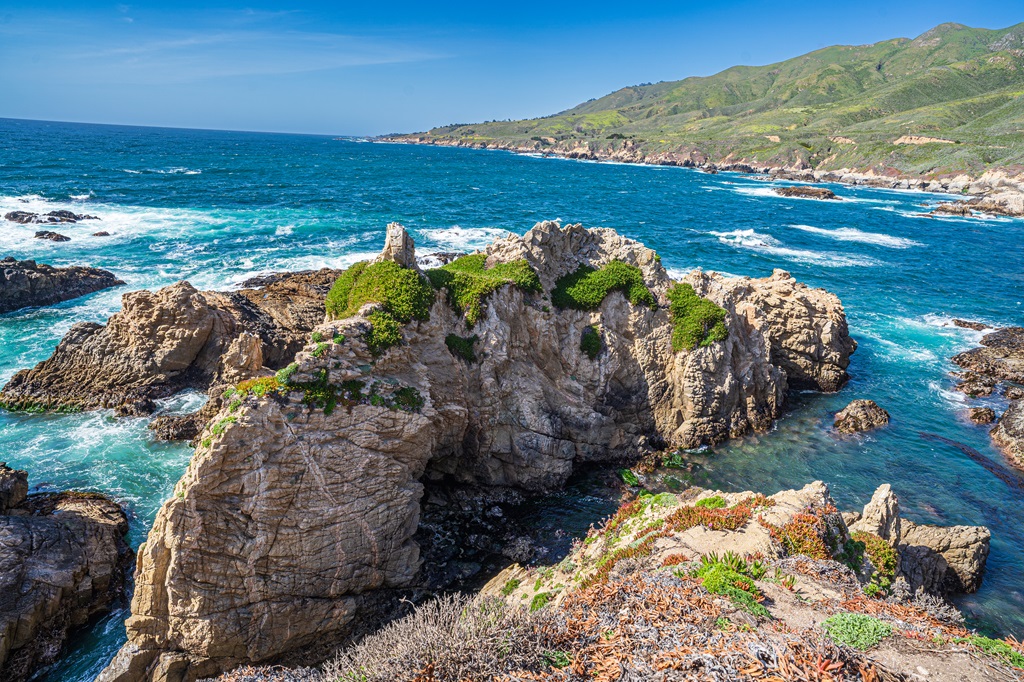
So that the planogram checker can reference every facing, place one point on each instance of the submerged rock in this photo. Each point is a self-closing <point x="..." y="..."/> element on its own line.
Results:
<point x="25" y="283"/>
<point x="860" y="415"/>
<point x="299" y="508"/>
<point x="63" y="561"/>
<point x="175" y="338"/>
<point x="968" y="324"/>
<point x="1000" y="356"/>
<point x="806" y="192"/>
<point x="981" y="415"/>
<point x="29" y="218"/>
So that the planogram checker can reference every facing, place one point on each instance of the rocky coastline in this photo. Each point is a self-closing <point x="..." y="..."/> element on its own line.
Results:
<point x="63" y="562"/>
<point x="996" y="191"/>
<point x="27" y="284"/>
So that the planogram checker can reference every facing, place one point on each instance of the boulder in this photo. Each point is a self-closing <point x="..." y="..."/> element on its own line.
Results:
<point x="52" y="236"/>
<point x="860" y="415"/>
<point x="981" y="415"/>
<point x="26" y="283"/>
<point x="63" y="561"/>
<point x="299" y="508"/>
<point x="943" y="559"/>
<point x="1000" y="356"/>
<point x="13" y="487"/>
<point x="968" y="324"/>
<point x="176" y="338"/>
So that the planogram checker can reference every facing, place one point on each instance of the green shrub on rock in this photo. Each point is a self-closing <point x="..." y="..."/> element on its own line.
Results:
<point x="696" y="321"/>
<point x="586" y="288"/>
<point x="469" y="282"/>
<point x="590" y="342"/>
<point x="461" y="346"/>
<point x="402" y="293"/>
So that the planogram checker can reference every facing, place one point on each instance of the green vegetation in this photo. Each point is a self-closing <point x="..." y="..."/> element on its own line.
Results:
<point x="540" y="600"/>
<point x="338" y="338"/>
<point x="469" y="282"/>
<point x="586" y="288"/>
<point x="511" y="586"/>
<point x="219" y="428"/>
<point x="837" y="107"/>
<point x="696" y="321"/>
<point x="284" y="375"/>
<point x="713" y="502"/>
<point x="258" y="387"/>
<point x="402" y="293"/>
<point x="590" y="342"/>
<point x="629" y="477"/>
<point x="997" y="648"/>
<point x="316" y="337"/>
<point x="319" y="393"/>
<point x="558" y="659"/>
<point x="733" y="577"/>
<point x="856" y="630"/>
<point x="883" y="557"/>
<point x="320" y="349"/>
<point x="408" y="399"/>
<point x="461" y="346"/>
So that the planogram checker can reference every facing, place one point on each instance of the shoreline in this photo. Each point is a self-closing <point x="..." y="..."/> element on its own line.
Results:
<point x="995" y="192"/>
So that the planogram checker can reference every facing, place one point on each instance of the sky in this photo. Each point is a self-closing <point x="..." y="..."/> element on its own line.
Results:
<point x="370" y="68"/>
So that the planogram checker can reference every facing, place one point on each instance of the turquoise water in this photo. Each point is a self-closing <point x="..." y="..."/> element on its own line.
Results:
<point x="216" y="208"/>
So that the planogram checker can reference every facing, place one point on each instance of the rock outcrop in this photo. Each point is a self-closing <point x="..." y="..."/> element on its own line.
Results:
<point x="805" y="192"/>
<point x="63" y="561"/>
<point x="998" y="361"/>
<point x="176" y="338"/>
<point x="880" y="516"/>
<point x="52" y="236"/>
<point x="301" y="502"/>
<point x="25" y="283"/>
<point x="860" y="415"/>
<point x="981" y="415"/>
<point x="53" y="217"/>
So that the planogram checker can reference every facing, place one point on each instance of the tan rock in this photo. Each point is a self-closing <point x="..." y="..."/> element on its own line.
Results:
<point x="881" y="516"/>
<point x="860" y="415"/>
<point x="943" y="559"/>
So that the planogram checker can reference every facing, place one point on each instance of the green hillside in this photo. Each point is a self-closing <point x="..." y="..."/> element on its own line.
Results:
<point x="838" y="107"/>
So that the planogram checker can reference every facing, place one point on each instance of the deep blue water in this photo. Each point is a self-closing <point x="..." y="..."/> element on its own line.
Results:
<point x="218" y="207"/>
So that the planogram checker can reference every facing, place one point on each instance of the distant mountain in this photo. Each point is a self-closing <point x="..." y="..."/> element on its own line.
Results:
<point x="947" y="101"/>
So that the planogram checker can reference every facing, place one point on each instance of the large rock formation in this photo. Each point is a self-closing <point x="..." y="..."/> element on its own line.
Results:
<point x="25" y="283"/>
<point x="63" y="561"/>
<point x="301" y="503"/>
<point x="176" y="338"/>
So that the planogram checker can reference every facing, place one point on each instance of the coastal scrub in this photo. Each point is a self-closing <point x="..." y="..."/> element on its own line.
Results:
<point x="469" y="282"/>
<point x="403" y="294"/>
<point x="586" y="287"/>
<point x="696" y="321"/>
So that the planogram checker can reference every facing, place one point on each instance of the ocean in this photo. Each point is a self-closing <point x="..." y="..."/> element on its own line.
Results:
<point x="216" y="208"/>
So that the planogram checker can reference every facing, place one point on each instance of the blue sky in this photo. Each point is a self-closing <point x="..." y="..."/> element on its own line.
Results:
<point x="374" y="67"/>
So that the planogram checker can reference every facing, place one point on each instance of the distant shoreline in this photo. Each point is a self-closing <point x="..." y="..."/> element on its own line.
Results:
<point x="995" y="192"/>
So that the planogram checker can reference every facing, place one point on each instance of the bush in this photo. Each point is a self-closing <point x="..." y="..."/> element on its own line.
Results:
<point x="511" y="586"/>
<point x="882" y="554"/>
<point x="409" y="399"/>
<point x="540" y="600"/>
<point x="713" y="502"/>
<point x="730" y="578"/>
<point x="696" y="321"/>
<point x="586" y="288"/>
<point x="590" y="342"/>
<point x="997" y="648"/>
<point x="856" y="630"/>
<point x="469" y="282"/>
<point x="459" y="637"/>
<point x="629" y="478"/>
<point x="402" y="294"/>
<point x="462" y="347"/>
<point x="257" y="387"/>
<point x="284" y="375"/>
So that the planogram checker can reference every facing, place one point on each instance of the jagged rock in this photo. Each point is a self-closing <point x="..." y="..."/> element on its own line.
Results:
<point x="29" y="218"/>
<point x="13" y="487"/>
<point x="1001" y="355"/>
<point x="981" y="415"/>
<point x="860" y="415"/>
<point x="881" y="516"/>
<point x="399" y="247"/>
<point x="52" y="236"/>
<point x="176" y="338"/>
<point x="807" y="192"/>
<point x="63" y="561"/>
<point x="968" y="324"/>
<point x="974" y="384"/>
<point x="1013" y="392"/>
<point x="292" y="517"/>
<point x="26" y="283"/>
<point x="943" y="559"/>
<point x="1009" y="432"/>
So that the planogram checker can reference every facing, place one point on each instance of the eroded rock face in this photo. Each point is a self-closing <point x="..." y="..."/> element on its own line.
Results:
<point x="1009" y="432"/>
<point x="63" y="560"/>
<point x="881" y="516"/>
<point x="860" y="415"/>
<point x="26" y="283"/>
<point x="291" y="517"/>
<point x="175" y="338"/>
<point x="943" y="559"/>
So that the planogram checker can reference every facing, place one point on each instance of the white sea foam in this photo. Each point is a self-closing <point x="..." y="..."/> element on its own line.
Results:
<point x="284" y="230"/>
<point x="762" y="243"/>
<point x="851" y="234"/>
<point x="457" y="238"/>
<point x="81" y="197"/>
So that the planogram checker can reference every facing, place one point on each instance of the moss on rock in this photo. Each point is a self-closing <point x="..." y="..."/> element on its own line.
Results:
<point x="469" y="282"/>
<point x="696" y="321"/>
<point x="586" y="287"/>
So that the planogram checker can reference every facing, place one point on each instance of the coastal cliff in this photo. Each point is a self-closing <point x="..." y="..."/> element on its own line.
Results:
<point x="299" y="507"/>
